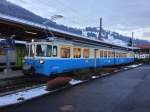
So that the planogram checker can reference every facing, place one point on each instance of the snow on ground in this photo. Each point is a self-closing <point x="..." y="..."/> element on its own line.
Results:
<point x="105" y="74"/>
<point x="133" y="66"/>
<point x="125" y="68"/>
<point x="94" y="77"/>
<point x="74" y="82"/>
<point x="19" y="97"/>
<point x="22" y="96"/>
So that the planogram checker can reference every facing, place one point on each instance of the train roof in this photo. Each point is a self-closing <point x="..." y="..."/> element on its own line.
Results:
<point x="62" y="34"/>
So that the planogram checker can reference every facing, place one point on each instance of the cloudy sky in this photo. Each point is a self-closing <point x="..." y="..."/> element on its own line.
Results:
<point x="123" y="16"/>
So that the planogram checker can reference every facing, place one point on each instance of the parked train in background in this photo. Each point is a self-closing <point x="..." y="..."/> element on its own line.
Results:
<point x="16" y="55"/>
<point x="61" y="55"/>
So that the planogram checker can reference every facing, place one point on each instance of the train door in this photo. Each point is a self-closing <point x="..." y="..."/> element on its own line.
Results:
<point x="19" y="56"/>
<point x="95" y="57"/>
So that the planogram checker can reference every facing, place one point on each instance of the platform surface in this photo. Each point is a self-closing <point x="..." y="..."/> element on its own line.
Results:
<point x="127" y="91"/>
<point x="11" y="74"/>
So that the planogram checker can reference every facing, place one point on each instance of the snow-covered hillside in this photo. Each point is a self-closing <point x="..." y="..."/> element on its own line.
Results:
<point x="106" y="36"/>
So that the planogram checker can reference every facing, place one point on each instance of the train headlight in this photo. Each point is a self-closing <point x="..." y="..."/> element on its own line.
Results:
<point x="41" y="61"/>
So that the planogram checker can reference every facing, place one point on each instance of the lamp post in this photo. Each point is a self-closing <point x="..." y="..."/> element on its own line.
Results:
<point x="52" y="18"/>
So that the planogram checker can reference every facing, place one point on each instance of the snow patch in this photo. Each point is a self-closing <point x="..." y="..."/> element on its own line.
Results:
<point x="134" y="66"/>
<point x="74" y="82"/>
<point x="105" y="74"/>
<point x="21" y="96"/>
<point x="94" y="77"/>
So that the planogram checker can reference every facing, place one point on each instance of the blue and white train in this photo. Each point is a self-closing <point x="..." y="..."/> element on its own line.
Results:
<point x="61" y="55"/>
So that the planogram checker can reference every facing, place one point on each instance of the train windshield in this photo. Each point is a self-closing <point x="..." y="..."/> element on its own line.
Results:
<point x="27" y="50"/>
<point x="43" y="50"/>
<point x="32" y="51"/>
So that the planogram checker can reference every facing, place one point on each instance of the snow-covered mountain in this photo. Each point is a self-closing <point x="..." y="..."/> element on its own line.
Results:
<point x="111" y="37"/>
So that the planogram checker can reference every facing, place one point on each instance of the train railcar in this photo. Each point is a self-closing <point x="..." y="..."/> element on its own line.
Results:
<point x="60" y="55"/>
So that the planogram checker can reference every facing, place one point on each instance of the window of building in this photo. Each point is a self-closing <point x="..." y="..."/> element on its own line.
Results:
<point x="2" y="51"/>
<point x="86" y="53"/>
<point x="65" y="52"/>
<point x="101" y="53"/>
<point x="55" y="51"/>
<point x="77" y="52"/>
<point x="105" y="54"/>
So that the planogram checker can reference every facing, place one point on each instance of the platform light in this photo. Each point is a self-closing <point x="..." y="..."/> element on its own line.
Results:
<point x="32" y="40"/>
<point x="29" y="32"/>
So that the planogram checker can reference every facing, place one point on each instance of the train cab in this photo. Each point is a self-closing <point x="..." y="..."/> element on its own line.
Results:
<point x="39" y="56"/>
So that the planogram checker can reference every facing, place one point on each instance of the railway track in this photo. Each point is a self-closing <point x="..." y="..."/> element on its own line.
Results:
<point x="16" y="83"/>
<point x="12" y="84"/>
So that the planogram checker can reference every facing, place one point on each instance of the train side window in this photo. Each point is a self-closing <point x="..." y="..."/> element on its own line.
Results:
<point x="86" y="53"/>
<point x="117" y="55"/>
<point x="109" y="53"/>
<point x="65" y="52"/>
<point x="125" y="55"/>
<point x="49" y="51"/>
<point x="41" y="50"/>
<point x="105" y="54"/>
<point x="120" y="55"/>
<point x="112" y="54"/>
<point x="55" y="51"/>
<point x="77" y="52"/>
<point x="101" y="53"/>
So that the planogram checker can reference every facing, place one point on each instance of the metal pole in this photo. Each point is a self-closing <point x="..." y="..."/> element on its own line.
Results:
<point x="8" y="69"/>
<point x="132" y="38"/>
<point x="8" y="61"/>
<point x="100" y="29"/>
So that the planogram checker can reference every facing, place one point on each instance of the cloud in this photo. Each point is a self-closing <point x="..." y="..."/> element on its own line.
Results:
<point x="118" y="15"/>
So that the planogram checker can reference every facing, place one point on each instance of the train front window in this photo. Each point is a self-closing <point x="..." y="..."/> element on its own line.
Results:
<point x="41" y="50"/>
<point x="27" y="50"/>
<point x="32" y="51"/>
<point x="49" y="51"/>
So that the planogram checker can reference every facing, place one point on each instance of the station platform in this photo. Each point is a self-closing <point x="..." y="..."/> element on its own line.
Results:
<point x="11" y="74"/>
<point x="126" y="91"/>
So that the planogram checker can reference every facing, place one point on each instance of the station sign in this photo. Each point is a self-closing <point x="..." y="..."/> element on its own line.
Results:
<point x="7" y="44"/>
